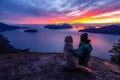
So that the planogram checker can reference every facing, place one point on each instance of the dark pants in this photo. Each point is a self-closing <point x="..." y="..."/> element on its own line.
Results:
<point x="83" y="60"/>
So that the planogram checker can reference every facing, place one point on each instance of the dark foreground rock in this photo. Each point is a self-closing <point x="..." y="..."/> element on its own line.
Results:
<point x="47" y="66"/>
<point x="6" y="47"/>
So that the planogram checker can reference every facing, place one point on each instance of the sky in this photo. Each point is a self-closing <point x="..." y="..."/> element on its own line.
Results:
<point x="59" y="11"/>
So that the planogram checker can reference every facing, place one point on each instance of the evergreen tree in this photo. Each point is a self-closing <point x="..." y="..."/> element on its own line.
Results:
<point x="116" y="52"/>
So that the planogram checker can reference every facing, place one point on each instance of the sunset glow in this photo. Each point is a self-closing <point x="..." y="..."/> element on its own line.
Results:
<point x="59" y="11"/>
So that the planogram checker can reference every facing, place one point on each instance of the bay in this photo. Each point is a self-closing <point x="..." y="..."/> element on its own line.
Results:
<point x="47" y="40"/>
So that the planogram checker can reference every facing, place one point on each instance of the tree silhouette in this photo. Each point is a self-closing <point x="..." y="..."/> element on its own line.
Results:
<point x="116" y="52"/>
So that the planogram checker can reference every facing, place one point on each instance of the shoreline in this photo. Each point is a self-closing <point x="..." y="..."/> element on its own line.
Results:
<point x="28" y="50"/>
<point x="39" y="48"/>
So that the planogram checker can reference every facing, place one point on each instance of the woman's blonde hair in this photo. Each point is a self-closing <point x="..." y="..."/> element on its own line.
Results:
<point x="68" y="39"/>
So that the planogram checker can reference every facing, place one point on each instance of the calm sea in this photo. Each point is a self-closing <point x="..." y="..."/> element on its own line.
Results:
<point x="46" y="40"/>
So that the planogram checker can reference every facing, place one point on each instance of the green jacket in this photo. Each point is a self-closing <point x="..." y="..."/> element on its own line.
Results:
<point x="83" y="52"/>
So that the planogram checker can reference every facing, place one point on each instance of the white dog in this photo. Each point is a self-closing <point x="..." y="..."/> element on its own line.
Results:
<point x="71" y="61"/>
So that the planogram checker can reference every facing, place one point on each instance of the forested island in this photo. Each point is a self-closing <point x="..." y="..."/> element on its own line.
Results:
<point x="62" y="26"/>
<point x="110" y="29"/>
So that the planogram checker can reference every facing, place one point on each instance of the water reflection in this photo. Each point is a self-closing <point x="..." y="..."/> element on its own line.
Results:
<point x="53" y="41"/>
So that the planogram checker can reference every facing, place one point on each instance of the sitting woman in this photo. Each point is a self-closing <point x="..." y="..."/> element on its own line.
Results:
<point x="84" y="50"/>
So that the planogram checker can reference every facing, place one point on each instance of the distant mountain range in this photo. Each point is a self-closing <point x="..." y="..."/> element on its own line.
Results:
<point x="111" y="29"/>
<point x="63" y="26"/>
<point x="5" y="27"/>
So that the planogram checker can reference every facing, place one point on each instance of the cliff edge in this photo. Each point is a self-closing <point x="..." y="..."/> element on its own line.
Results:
<point x="47" y="66"/>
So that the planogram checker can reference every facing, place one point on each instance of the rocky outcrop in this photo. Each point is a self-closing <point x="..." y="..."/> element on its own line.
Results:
<point x="47" y="66"/>
<point x="6" y="47"/>
<point x="63" y="26"/>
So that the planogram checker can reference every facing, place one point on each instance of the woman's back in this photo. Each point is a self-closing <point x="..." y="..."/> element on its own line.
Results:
<point x="84" y="50"/>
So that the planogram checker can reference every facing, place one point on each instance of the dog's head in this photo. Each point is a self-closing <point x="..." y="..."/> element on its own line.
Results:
<point x="68" y="39"/>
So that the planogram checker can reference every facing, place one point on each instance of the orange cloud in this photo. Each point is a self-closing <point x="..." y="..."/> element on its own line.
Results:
<point x="90" y="17"/>
<point x="110" y="17"/>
